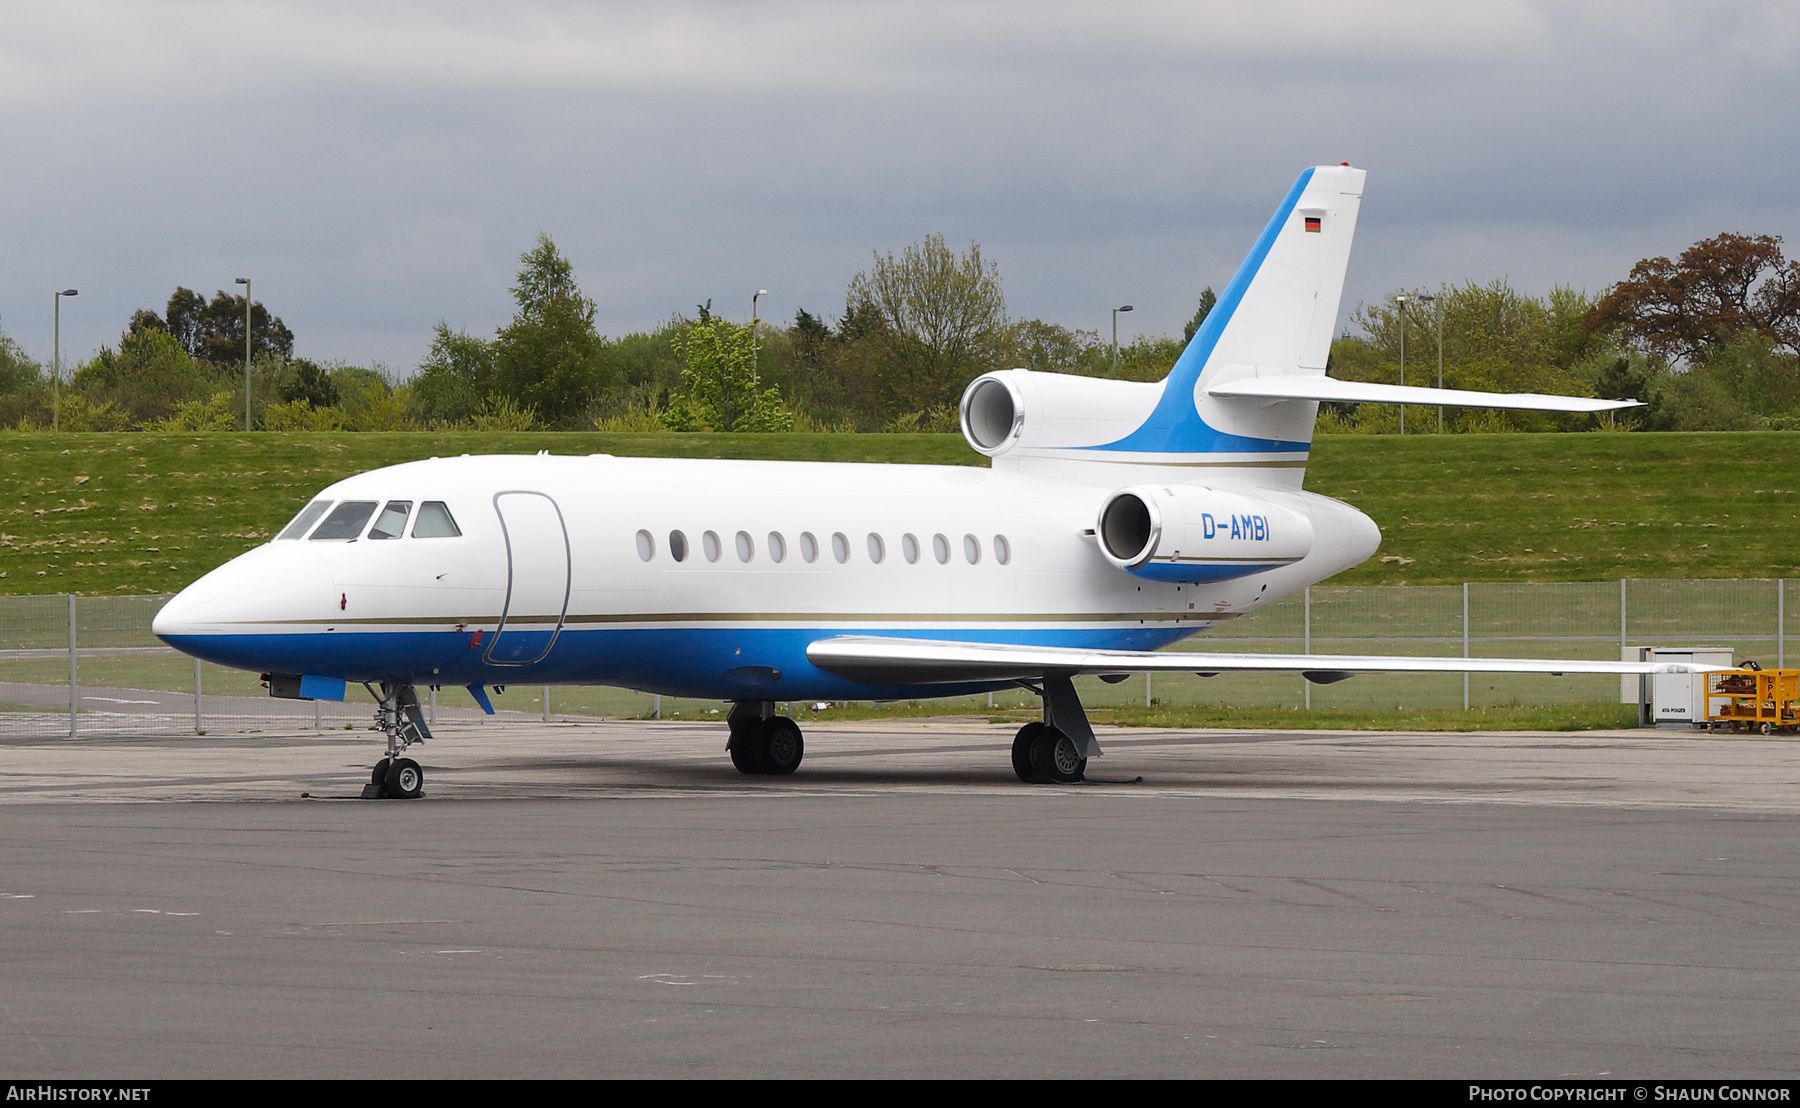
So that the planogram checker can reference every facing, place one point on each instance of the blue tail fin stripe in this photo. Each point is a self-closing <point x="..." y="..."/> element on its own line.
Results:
<point x="1175" y="427"/>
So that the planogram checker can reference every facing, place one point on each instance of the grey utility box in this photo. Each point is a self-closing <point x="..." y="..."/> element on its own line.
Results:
<point x="1675" y="699"/>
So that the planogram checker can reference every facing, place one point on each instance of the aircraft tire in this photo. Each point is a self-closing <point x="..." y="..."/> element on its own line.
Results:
<point x="742" y="757"/>
<point x="1021" y="751"/>
<point x="405" y="780"/>
<point x="379" y="777"/>
<point x="778" y="746"/>
<point x="1056" y="758"/>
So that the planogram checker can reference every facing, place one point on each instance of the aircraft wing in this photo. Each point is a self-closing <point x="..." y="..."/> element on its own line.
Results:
<point x="888" y="661"/>
<point x="1368" y="392"/>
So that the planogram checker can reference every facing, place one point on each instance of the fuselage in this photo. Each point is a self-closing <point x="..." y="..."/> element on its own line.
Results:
<point x="565" y="570"/>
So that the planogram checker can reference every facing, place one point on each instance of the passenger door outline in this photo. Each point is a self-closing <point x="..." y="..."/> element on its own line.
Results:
<point x="568" y="580"/>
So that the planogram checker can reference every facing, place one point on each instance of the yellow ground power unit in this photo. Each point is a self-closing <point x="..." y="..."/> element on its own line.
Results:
<point x="1765" y="700"/>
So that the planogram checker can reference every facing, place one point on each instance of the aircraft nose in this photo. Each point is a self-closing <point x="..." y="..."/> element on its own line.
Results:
<point x="273" y="583"/>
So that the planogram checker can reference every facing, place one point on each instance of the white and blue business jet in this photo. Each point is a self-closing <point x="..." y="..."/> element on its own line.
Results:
<point x="1115" y="518"/>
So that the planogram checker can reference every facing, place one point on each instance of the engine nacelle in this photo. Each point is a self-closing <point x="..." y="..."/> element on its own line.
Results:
<point x="1199" y="534"/>
<point x="1017" y="410"/>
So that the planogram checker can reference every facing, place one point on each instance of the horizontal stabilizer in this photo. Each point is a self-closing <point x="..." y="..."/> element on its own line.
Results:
<point x="924" y="661"/>
<point x="1367" y="392"/>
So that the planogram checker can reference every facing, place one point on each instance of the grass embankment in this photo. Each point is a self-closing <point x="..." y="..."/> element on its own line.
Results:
<point x="1577" y="507"/>
<point x="137" y="512"/>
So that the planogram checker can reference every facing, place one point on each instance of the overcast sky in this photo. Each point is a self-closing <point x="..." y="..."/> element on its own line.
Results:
<point x="378" y="166"/>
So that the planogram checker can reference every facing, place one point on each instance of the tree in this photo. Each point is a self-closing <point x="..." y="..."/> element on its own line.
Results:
<point x="1681" y="309"/>
<point x="1496" y="339"/>
<point x="454" y="377"/>
<point x="943" y="318"/>
<point x="309" y="383"/>
<point x="16" y="370"/>
<point x="1207" y="301"/>
<point x="214" y="332"/>
<point x="834" y="374"/>
<point x="722" y="390"/>
<point x="548" y="360"/>
<point x="146" y="378"/>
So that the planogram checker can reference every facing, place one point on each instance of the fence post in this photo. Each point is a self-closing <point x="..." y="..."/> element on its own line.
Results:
<point x="1623" y="641"/>
<point x="432" y="721"/>
<point x="74" y="687"/>
<point x="1306" y="641"/>
<point x="1643" y="656"/>
<point x="656" y="705"/>
<point x="1465" y="644"/>
<point x="199" y="723"/>
<point x="546" y="703"/>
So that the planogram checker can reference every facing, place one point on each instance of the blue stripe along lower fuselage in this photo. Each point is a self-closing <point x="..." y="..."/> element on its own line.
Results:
<point x="717" y="662"/>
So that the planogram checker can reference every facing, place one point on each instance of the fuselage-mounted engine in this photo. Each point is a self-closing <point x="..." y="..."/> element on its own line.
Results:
<point x="1199" y="534"/>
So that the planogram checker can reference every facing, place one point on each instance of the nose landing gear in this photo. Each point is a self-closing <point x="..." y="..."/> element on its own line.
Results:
<point x="399" y="716"/>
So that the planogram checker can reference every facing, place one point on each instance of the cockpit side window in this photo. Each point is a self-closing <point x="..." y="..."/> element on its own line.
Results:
<point x="435" y="522"/>
<point x="346" y="520"/>
<point x="308" y="516"/>
<point x="391" y="523"/>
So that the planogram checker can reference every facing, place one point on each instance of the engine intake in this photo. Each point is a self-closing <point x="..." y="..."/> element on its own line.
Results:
<point x="1198" y="534"/>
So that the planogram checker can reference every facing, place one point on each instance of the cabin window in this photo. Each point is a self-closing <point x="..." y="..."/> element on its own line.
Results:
<point x="972" y="549"/>
<point x="746" y="547"/>
<point x="877" y="548"/>
<point x="308" y="516"/>
<point x="346" y="520"/>
<point x="709" y="545"/>
<point x="940" y="548"/>
<point x="391" y="523"/>
<point x="909" y="547"/>
<point x="809" y="547"/>
<point x="678" y="546"/>
<point x="840" y="547"/>
<point x="646" y="545"/>
<point x="435" y="522"/>
<point x="1002" y="550"/>
<point x="777" y="546"/>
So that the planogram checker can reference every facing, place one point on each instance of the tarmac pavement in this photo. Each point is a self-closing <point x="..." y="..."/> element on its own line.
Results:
<point x="614" y="900"/>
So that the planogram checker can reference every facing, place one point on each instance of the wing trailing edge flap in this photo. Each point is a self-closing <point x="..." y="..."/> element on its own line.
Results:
<point x="925" y="661"/>
<point x="1369" y="392"/>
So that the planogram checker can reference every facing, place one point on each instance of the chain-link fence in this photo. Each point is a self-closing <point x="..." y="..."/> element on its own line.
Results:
<point x="89" y="665"/>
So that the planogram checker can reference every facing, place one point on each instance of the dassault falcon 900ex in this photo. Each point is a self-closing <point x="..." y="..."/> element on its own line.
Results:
<point x="1113" y="519"/>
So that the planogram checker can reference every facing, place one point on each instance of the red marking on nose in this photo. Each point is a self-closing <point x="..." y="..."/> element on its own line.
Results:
<point x="475" y="640"/>
<point x="343" y="601"/>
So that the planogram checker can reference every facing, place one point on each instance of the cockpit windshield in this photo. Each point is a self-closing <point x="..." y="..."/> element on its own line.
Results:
<point x="391" y="523"/>
<point x="308" y="516"/>
<point x="346" y="520"/>
<point x="434" y="522"/>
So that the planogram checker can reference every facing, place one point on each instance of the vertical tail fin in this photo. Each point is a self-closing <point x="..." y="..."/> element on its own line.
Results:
<point x="1274" y="319"/>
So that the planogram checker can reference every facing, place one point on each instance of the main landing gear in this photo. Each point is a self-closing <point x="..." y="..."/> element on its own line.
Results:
<point x="398" y="715"/>
<point x="1042" y="754"/>
<point x="761" y="741"/>
<point x="1056" y="750"/>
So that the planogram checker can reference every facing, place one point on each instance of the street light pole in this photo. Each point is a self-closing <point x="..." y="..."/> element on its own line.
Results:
<point x="245" y="281"/>
<point x="1427" y="298"/>
<point x="1401" y="300"/>
<point x="1115" y="344"/>
<point x="754" y="379"/>
<point x="56" y="357"/>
